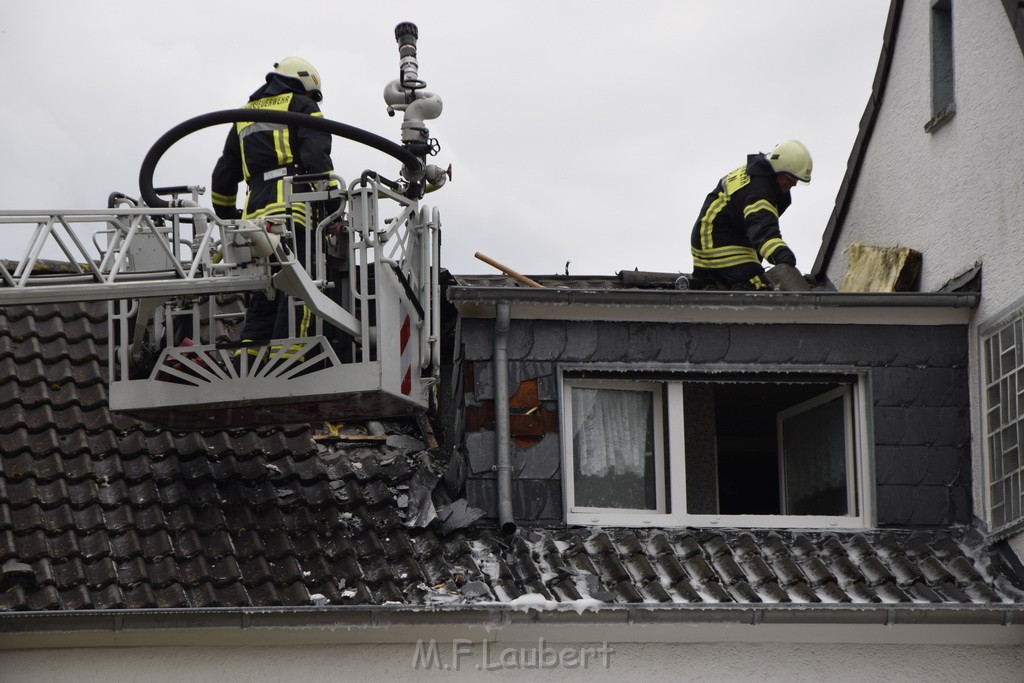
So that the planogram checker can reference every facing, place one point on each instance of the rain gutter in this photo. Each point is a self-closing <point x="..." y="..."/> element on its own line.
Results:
<point x="505" y="622"/>
<point x="683" y="306"/>
<point x="694" y="299"/>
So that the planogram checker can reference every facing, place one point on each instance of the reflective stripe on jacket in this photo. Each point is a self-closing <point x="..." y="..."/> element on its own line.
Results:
<point x="739" y="222"/>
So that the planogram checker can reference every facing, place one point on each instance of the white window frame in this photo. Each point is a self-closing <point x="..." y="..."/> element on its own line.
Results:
<point x="577" y="514"/>
<point x="672" y="452"/>
<point x="989" y="366"/>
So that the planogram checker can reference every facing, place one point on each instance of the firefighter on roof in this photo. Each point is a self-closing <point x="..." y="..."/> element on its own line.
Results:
<point x="262" y="154"/>
<point x="738" y="227"/>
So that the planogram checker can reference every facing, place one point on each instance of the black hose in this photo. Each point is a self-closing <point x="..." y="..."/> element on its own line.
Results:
<point x="366" y="175"/>
<point x="412" y="164"/>
<point x="115" y="197"/>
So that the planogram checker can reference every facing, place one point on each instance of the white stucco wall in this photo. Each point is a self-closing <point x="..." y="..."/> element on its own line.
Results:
<point x="957" y="194"/>
<point x="630" y="662"/>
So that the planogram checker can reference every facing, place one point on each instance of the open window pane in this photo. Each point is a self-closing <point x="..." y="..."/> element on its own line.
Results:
<point x="742" y="459"/>
<point x="613" y="437"/>
<point x="814" y="451"/>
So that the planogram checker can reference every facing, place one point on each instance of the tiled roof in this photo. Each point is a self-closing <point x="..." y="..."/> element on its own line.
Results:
<point x="102" y="512"/>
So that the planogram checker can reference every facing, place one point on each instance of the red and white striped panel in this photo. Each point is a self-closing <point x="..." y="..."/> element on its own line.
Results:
<point x="404" y="337"/>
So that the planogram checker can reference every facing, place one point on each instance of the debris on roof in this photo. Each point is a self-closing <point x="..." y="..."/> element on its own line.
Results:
<point x="880" y="269"/>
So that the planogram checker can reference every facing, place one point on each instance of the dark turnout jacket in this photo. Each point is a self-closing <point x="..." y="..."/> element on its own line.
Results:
<point x="261" y="154"/>
<point x="738" y="225"/>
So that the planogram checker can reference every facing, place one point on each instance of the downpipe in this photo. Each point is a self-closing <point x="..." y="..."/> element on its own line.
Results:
<point x="503" y="439"/>
<point x="435" y="291"/>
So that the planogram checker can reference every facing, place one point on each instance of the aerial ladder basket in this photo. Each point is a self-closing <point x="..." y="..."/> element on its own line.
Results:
<point x="362" y="285"/>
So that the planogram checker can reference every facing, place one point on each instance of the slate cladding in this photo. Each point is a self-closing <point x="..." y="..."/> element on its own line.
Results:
<point x="918" y="374"/>
<point x="102" y="512"/>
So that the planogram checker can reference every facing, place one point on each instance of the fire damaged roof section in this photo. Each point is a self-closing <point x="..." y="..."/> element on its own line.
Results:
<point x="100" y="512"/>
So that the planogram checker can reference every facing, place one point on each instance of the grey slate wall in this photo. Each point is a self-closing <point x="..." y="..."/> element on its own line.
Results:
<point x="919" y="377"/>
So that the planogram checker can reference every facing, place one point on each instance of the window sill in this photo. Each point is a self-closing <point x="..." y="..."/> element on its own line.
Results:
<point x="669" y="521"/>
<point x="940" y="119"/>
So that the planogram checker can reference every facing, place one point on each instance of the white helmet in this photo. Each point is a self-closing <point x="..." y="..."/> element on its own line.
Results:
<point x="299" y="68"/>
<point x="793" y="158"/>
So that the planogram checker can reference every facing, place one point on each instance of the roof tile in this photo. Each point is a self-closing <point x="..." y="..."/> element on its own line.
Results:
<point x="150" y="519"/>
<point x="140" y="596"/>
<point x="265" y="594"/>
<point x="163" y="572"/>
<point x="76" y="598"/>
<point x="59" y="519"/>
<point x="203" y="595"/>
<point x="30" y="547"/>
<point x="64" y="545"/>
<point x="217" y="543"/>
<point x="685" y="591"/>
<point x="256" y="571"/>
<point x="101" y="572"/>
<point x="951" y="592"/>
<point x="860" y="592"/>
<point x="28" y="518"/>
<point x="742" y="592"/>
<point x="921" y="592"/>
<point x="88" y="519"/>
<point x="43" y="573"/>
<point x="815" y="570"/>
<point x="905" y="571"/>
<point x="132" y="572"/>
<point x="830" y="592"/>
<point x="670" y="567"/>
<point x="888" y="591"/>
<point x="728" y="569"/>
<point x="757" y="570"/>
<point x="786" y="570"/>
<point x="874" y="571"/>
<point x="194" y="570"/>
<point x="224" y="570"/>
<point x="171" y="596"/>
<point x="980" y="593"/>
<point x="801" y="592"/>
<point x="845" y="571"/>
<point x="119" y="519"/>
<point x="156" y="544"/>
<point x="699" y="569"/>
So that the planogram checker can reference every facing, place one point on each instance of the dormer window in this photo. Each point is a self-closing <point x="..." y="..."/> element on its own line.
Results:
<point x="738" y="449"/>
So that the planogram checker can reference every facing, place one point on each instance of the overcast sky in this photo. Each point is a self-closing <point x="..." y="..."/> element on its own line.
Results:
<point x="586" y="131"/>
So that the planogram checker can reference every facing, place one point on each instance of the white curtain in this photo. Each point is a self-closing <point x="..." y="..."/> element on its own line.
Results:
<point x="612" y="430"/>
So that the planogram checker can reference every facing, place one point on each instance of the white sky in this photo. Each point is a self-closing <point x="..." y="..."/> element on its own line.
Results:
<point x="587" y="131"/>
